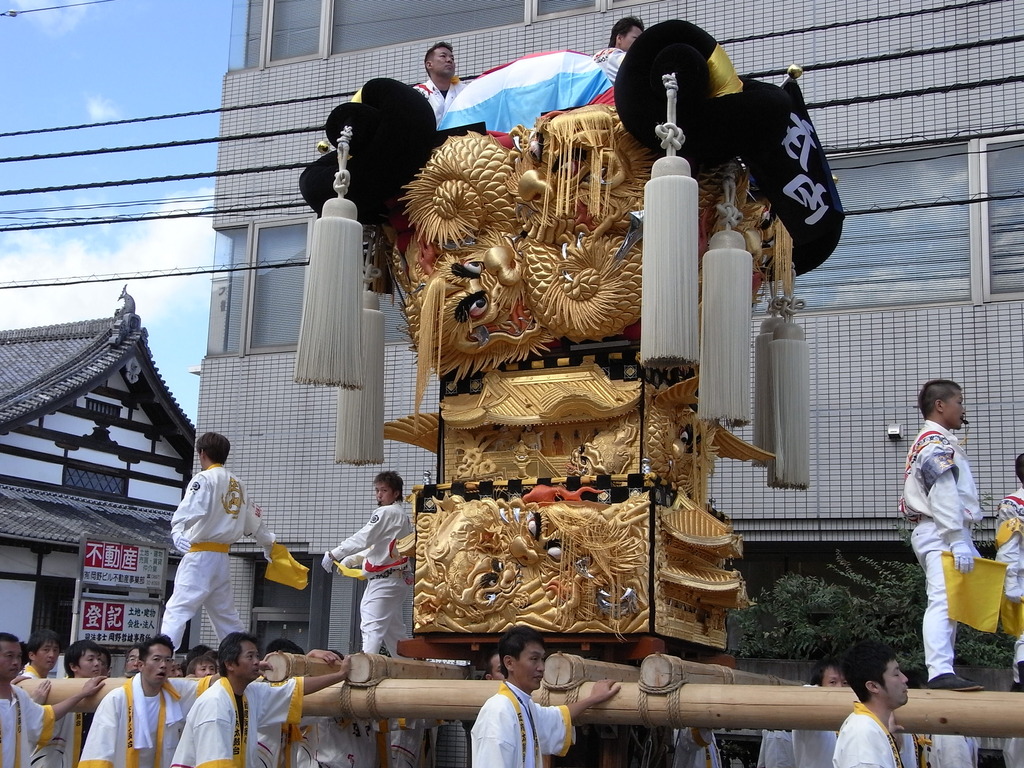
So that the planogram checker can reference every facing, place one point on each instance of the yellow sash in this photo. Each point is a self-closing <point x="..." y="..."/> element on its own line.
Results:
<point x="860" y="709"/>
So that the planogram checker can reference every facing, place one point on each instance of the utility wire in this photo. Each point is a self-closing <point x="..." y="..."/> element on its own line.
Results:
<point x="944" y="202"/>
<point x="18" y="12"/>
<point x="349" y="94"/>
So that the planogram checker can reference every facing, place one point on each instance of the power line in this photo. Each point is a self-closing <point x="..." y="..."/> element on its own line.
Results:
<point x="469" y="78"/>
<point x="18" y="12"/>
<point x="1017" y="194"/>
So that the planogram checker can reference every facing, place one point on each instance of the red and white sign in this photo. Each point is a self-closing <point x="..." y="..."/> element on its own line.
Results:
<point x="118" y="622"/>
<point x="121" y="565"/>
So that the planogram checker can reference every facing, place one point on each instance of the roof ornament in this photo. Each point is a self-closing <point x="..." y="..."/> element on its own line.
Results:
<point x="125" y="319"/>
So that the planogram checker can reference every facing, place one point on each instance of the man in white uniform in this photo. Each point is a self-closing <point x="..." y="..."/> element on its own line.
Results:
<point x="140" y="723"/>
<point x="25" y="725"/>
<point x="42" y="649"/>
<point x="1009" y="537"/>
<point x="388" y="574"/>
<point x="82" y="659"/>
<point x="624" y="32"/>
<point x="865" y="739"/>
<point x="511" y="730"/>
<point x="813" y="749"/>
<point x="222" y="725"/>
<point x="215" y="513"/>
<point x="441" y="86"/>
<point x="940" y="498"/>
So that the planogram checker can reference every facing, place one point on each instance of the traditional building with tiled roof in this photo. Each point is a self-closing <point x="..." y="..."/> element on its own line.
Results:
<point x="91" y="443"/>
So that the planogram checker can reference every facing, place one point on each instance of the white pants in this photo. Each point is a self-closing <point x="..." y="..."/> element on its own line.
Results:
<point x="380" y="613"/>
<point x="937" y="629"/>
<point x="203" y="580"/>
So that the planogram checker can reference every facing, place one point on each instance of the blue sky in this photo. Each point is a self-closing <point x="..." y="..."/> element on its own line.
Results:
<point x="114" y="60"/>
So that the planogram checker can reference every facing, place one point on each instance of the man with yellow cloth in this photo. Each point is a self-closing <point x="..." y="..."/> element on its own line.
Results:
<point x="941" y="499"/>
<point x="138" y="725"/>
<point x="1009" y="536"/>
<point x="866" y="738"/>
<point x="215" y="513"/>
<point x="511" y="730"/>
<point x="221" y="729"/>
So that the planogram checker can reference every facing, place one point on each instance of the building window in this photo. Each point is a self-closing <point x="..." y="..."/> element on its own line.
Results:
<point x="921" y="255"/>
<point x="91" y="480"/>
<point x="227" y="302"/>
<point x="246" y="34"/>
<point x="107" y="409"/>
<point x="360" y="24"/>
<point x="278" y="286"/>
<point x="1004" y="219"/>
<point x="295" y="29"/>
<point x="549" y="7"/>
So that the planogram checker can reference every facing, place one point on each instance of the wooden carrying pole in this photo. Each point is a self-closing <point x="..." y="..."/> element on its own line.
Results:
<point x="781" y="707"/>
<point x="366" y="668"/>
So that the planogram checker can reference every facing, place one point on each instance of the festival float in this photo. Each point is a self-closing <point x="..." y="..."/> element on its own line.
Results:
<point x="578" y="270"/>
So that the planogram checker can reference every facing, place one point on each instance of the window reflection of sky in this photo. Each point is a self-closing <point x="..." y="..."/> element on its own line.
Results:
<point x="904" y="257"/>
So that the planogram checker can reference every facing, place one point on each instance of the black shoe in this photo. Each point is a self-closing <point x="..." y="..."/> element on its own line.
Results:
<point x="953" y="682"/>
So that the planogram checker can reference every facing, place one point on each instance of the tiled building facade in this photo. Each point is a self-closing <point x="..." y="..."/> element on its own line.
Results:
<point x="920" y="109"/>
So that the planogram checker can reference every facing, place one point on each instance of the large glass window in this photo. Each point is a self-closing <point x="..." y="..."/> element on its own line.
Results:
<point x="246" y="29"/>
<point x="545" y="7"/>
<point x="360" y="24"/>
<point x="914" y="256"/>
<point x="278" y="286"/>
<point x="295" y="29"/>
<point x="227" y="302"/>
<point x="1004" y="167"/>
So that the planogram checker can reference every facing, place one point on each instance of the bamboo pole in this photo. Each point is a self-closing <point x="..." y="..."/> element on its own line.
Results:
<point x="366" y="668"/>
<point x="699" y="705"/>
<point x="567" y="670"/>
<point x="660" y="670"/>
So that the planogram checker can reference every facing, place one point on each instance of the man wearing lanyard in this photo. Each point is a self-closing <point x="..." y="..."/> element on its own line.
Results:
<point x="139" y="724"/>
<point x="511" y="730"/>
<point x="221" y="727"/>
<point x="866" y="737"/>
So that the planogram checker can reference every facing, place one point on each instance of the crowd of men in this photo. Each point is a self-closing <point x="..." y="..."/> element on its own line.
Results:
<point x="216" y="709"/>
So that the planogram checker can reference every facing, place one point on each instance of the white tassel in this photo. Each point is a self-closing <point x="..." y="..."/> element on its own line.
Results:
<point x="328" y="348"/>
<point x="725" y="330"/>
<point x="764" y="388"/>
<point x="790" y="356"/>
<point x="668" y="314"/>
<point x="359" y="430"/>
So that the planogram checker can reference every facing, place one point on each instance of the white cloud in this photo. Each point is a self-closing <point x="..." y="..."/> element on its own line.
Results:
<point x="100" y="108"/>
<point x="55" y="22"/>
<point x="106" y="250"/>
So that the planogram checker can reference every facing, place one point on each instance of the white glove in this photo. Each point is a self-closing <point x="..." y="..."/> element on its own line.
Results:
<point x="328" y="562"/>
<point x="181" y="543"/>
<point x="1013" y="594"/>
<point x="963" y="556"/>
<point x="268" y="553"/>
<point x="352" y="561"/>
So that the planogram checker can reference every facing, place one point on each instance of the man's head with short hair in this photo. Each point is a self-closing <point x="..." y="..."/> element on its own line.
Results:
<point x="10" y="657"/>
<point x="624" y="32"/>
<point x="84" y="658"/>
<point x="827" y="673"/>
<point x="42" y="649"/>
<point x="231" y="649"/>
<point x="198" y="650"/>
<point x="133" y="659"/>
<point x="391" y="479"/>
<point x="156" y="655"/>
<point x="284" y="645"/>
<point x="215" y="446"/>
<point x="933" y="391"/>
<point x="871" y="670"/>
<point x="494" y="668"/>
<point x="439" y="61"/>
<point x="1019" y="468"/>
<point x="202" y="665"/>
<point x="513" y="643"/>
